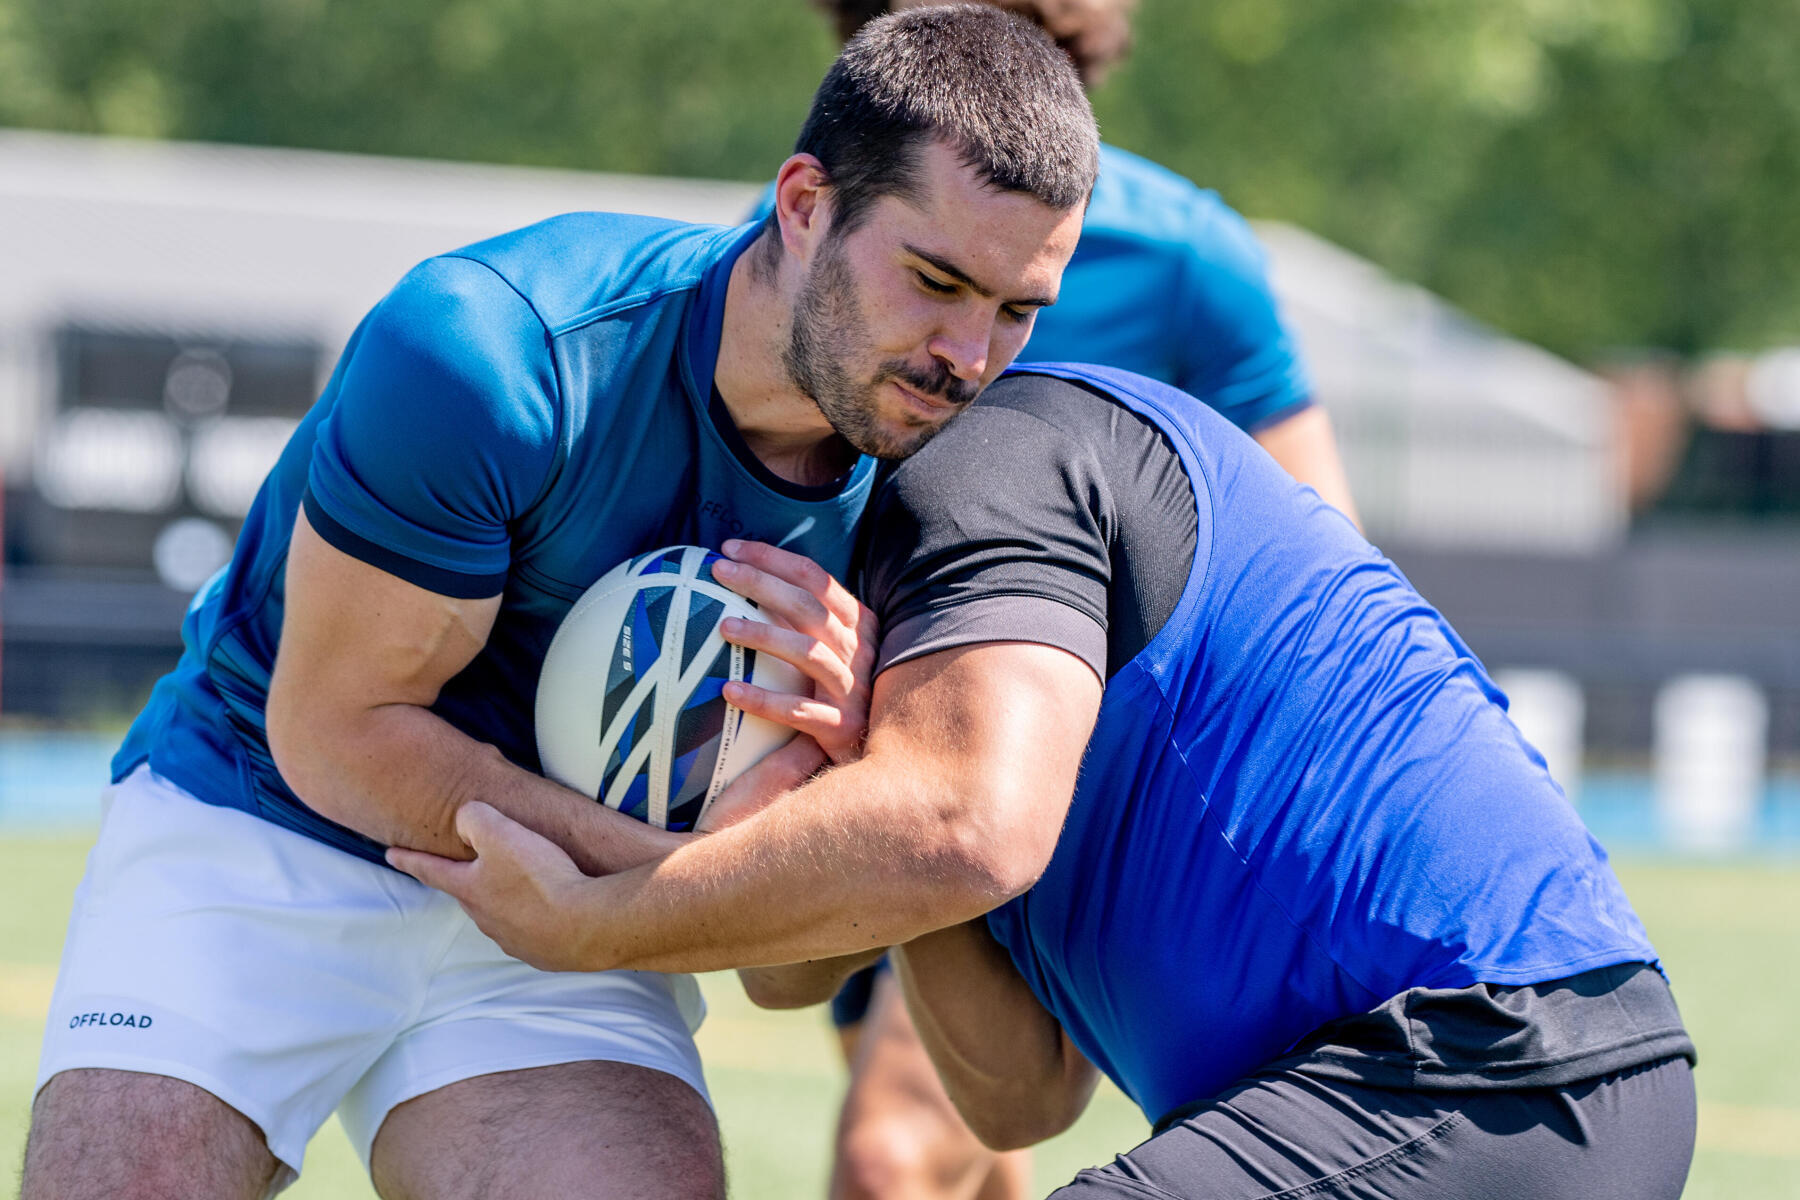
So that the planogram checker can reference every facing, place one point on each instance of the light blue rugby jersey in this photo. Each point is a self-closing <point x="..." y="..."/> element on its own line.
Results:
<point x="1169" y="282"/>
<point x="514" y="418"/>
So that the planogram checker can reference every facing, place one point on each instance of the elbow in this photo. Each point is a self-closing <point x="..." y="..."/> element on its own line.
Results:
<point x="299" y="747"/>
<point x="997" y="853"/>
<point x="1019" y="1126"/>
<point x="770" y="987"/>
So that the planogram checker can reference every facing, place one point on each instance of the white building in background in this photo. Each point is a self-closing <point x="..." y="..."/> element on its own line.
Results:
<point x="1453" y="435"/>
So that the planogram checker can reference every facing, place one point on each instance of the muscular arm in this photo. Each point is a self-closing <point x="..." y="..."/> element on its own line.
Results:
<point x="363" y="656"/>
<point x="954" y="809"/>
<point x="1011" y="1071"/>
<point x="1305" y="447"/>
<point x="798" y="985"/>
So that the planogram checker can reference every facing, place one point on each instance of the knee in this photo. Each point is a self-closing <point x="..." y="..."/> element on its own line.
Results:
<point x="878" y="1159"/>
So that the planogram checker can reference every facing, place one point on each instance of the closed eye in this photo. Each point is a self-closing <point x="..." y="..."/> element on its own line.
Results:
<point x="935" y="286"/>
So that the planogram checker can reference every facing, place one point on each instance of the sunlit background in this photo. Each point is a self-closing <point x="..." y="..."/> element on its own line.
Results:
<point x="1543" y="257"/>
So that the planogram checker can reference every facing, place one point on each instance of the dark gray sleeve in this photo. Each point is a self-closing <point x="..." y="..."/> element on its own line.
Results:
<point x="997" y="531"/>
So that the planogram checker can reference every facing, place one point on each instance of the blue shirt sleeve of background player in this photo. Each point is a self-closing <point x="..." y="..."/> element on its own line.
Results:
<point x="1244" y="363"/>
<point x="765" y="204"/>
<point x="442" y="431"/>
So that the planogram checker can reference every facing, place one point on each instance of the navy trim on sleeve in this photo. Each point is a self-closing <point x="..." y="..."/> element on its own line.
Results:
<point x="454" y="584"/>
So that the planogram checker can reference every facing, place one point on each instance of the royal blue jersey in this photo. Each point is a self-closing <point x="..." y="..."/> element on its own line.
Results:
<point x="1303" y="795"/>
<point x="1168" y="281"/>
<point x="513" y="419"/>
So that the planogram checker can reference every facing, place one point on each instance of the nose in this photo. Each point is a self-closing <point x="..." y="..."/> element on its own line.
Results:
<point x="962" y="344"/>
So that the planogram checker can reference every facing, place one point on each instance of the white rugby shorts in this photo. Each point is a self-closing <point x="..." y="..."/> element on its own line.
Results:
<point x="290" y="979"/>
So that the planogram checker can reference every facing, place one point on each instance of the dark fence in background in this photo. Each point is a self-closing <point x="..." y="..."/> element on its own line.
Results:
<point x="81" y="644"/>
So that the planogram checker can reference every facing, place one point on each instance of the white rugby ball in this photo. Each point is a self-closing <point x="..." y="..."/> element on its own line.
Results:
<point x="629" y="708"/>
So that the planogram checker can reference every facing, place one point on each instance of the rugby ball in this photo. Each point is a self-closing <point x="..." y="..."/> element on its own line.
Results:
<point x="629" y="707"/>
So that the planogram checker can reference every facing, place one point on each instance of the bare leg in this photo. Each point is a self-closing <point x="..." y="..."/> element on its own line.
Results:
<point x="900" y="1138"/>
<point x="120" y="1135"/>
<point x="568" y="1132"/>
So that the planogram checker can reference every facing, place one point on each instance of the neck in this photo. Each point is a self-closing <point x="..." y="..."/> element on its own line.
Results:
<point x="781" y="425"/>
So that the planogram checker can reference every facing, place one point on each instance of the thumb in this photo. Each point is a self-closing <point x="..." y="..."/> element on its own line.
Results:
<point x="492" y="834"/>
<point x="482" y="826"/>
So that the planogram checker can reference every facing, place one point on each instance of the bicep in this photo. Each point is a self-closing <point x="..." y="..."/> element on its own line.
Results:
<point x="355" y="637"/>
<point x="1002" y="725"/>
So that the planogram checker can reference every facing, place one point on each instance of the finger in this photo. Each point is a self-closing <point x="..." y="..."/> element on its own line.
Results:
<point x="800" y="571"/>
<point x="492" y="834"/>
<point x="811" y="656"/>
<point x="785" y="601"/>
<point x="785" y="565"/>
<point x="826" y="723"/>
<point x="452" y="875"/>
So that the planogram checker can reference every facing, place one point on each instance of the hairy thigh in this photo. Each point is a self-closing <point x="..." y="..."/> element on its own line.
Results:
<point x="122" y="1135"/>
<point x="575" y="1131"/>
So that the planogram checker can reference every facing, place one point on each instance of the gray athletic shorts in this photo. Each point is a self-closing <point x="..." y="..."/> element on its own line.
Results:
<point x="1287" y="1136"/>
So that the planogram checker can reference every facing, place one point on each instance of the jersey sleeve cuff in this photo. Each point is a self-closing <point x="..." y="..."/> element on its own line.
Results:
<point x="1034" y="619"/>
<point x="455" y="584"/>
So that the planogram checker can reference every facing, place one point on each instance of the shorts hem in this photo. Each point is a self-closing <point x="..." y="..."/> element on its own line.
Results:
<point x="282" y="1146"/>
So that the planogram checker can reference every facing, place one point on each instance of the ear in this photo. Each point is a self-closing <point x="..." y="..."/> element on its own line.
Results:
<point x="802" y="204"/>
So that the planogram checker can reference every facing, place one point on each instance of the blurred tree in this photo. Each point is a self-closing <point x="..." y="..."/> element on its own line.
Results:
<point x="1587" y="173"/>
<point x="682" y="87"/>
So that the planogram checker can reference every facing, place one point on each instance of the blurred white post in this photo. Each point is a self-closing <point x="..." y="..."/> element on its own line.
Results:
<point x="1711" y="754"/>
<point x="1551" y="712"/>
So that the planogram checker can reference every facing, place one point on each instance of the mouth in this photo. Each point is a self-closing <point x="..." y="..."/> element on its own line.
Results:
<point x="931" y="406"/>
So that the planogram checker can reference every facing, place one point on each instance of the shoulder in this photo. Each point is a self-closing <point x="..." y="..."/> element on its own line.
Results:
<point x="459" y="360"/>
<point x="1025" y="434"/>
<point x="581" y="267"/>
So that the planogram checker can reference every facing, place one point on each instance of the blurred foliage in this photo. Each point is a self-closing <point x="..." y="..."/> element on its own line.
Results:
<point x="1592" y="174"/>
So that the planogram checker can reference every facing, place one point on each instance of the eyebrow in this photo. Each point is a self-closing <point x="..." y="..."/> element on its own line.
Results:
<point x="963" y="277"/>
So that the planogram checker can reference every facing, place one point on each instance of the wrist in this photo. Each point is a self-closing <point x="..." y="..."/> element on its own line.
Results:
<point x="595" y="943"/>
<point x="605" y="842"/>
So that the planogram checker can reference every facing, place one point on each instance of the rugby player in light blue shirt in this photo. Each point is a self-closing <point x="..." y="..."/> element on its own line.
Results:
<point x="510" y="422"/>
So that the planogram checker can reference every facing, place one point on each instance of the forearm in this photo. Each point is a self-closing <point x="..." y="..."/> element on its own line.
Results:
<point x="398" y="774"/>
<point x="945" y="817"/>
<point x="1004" y="1060"/>
<point x="860" y="859"/>
<point x="798" y="985"/>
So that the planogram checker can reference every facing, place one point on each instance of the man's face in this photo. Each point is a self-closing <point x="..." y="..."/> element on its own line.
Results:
<point x="898" y="325"/>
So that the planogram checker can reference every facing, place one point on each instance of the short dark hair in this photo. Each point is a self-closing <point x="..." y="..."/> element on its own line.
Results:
<point x="1096" y="34"/>
<point x="987" y="84"/>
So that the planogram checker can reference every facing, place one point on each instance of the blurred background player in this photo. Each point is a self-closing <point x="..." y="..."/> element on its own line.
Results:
<point x="1169" y="282"/>
<point x="510" y="422"/>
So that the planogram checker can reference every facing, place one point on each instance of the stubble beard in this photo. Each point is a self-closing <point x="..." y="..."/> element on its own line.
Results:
<point x="828" y="330"/>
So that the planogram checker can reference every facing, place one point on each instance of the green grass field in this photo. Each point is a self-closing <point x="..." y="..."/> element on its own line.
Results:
<point x="1730" y="934"/>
